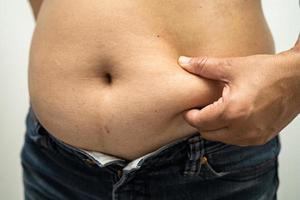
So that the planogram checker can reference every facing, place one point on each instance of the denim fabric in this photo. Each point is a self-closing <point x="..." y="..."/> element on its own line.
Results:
<point x="189" y="168"/>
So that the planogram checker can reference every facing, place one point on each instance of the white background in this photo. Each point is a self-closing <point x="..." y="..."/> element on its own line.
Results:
<point x="16" y="27"/>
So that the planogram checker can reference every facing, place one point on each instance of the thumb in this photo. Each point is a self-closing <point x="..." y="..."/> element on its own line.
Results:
<point x="211" y="116"/>
<point x="208" y="118"/>
<point x="211" y="68"/>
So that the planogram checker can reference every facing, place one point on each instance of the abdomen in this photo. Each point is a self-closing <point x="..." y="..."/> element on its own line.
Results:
<point x="107" y="79"/>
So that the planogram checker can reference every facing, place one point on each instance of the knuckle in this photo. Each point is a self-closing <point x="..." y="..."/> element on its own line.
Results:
<point x="228" y="62"/>
<point x="223" y="62"/>
<point x="199" y="63"/>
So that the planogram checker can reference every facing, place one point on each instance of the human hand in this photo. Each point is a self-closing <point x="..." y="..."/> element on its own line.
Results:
<point x="260" y="96"/>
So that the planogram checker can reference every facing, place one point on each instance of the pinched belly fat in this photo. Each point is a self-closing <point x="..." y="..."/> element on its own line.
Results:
<point x="131" y="109"/>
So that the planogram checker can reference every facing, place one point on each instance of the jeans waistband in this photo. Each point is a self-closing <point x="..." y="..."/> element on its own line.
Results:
<point x="40" y="135"/>
<point x="189" y="150"/>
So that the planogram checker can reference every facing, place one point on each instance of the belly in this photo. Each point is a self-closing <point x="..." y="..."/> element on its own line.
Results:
<point x="103" y="76"/>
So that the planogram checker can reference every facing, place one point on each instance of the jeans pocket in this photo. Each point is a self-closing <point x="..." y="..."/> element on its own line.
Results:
<point x="242" y="174"/>
<point x="242" y="163"/>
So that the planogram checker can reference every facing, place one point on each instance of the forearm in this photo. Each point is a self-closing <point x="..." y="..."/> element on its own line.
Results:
<point x="290" y="75"/>
<point x="298" y="85"/>
<point x="295" y="63"/>
<point x="298" y="88"/>
<point x="296" y="50"/>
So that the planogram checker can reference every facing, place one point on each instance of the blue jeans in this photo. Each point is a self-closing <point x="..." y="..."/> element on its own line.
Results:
<point x="189" y="168"/>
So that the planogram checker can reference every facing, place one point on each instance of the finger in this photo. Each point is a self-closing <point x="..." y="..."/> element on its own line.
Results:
<point x="211" y="68"/>
<point x="227" y="136"/>
<point x="209" y="117"/>
<point x="220" y="135"/>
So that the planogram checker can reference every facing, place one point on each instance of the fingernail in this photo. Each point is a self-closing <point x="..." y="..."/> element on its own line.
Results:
<point x="183" y="60"/>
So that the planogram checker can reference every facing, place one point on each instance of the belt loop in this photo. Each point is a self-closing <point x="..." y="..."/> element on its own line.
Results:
<point x="196" y="151"/>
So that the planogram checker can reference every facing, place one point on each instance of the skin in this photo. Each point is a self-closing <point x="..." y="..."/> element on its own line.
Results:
<point x="253" y="109"/>
<point x="35" y="6"/>
<point x="104" y="80"/>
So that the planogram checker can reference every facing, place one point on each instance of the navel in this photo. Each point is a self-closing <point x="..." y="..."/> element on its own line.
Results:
<point x="108" y="78"/>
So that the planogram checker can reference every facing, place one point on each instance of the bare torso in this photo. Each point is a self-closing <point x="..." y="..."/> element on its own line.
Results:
<point x="103" y="75"/>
